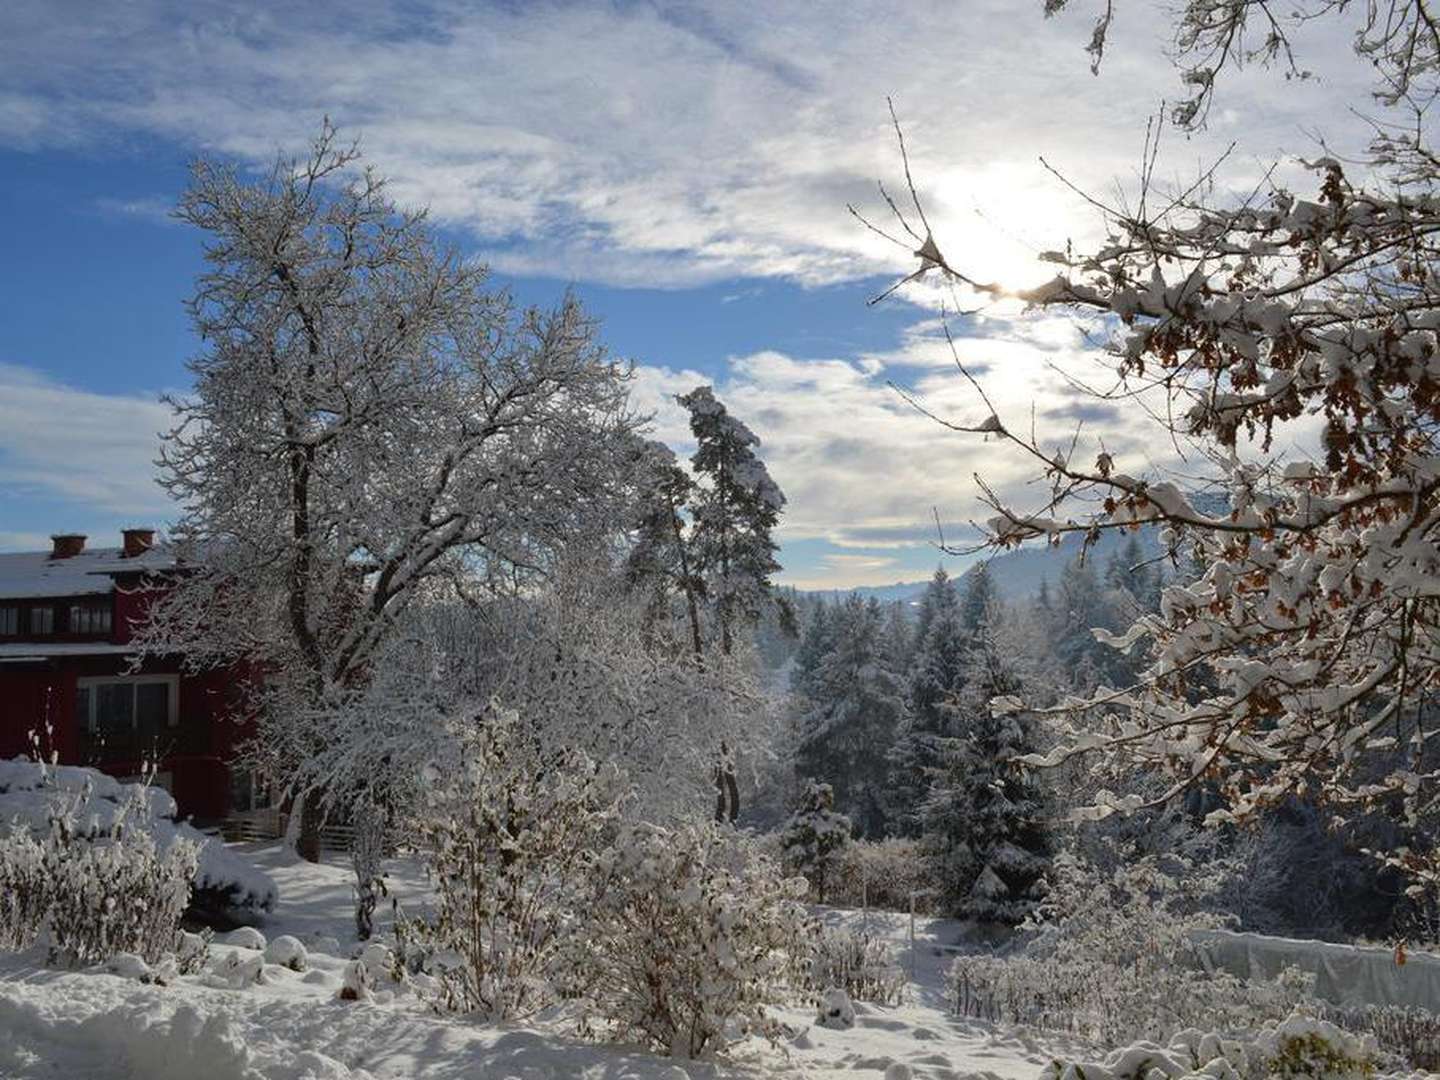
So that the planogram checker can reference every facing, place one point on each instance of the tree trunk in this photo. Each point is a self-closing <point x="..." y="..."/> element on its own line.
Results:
<point x="307" y="844"/>
<point x="367" y="852"/>
<point x="727" y="789"/>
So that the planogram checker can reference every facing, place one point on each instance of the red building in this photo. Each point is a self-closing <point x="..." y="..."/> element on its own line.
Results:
<point x="69" y="677"/>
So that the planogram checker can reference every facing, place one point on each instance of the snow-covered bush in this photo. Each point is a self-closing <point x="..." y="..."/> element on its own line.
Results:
<point x="24" y="889"/>
<point x="100" y="887"/>
<point x="33" y="792"/>
<point x="815" y="835"/>
<point x="508" y="832"/>
<point x="1112" y="958"/>
<point x="881" y="874"/>
<point x="287" y="952"/>
<point x="1412" y="1035"/>
<point x="1298" y="1046"/>
<point x="863" y="966"/>
<point x="691" y="936"/>
<point x="834" y="1010"/>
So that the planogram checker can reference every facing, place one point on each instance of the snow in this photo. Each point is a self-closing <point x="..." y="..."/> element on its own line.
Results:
<point x="33" y="574"/>
<point x="30" y="793"/>
<point x="245" y="1019"/>
<point x="42" y="651"/>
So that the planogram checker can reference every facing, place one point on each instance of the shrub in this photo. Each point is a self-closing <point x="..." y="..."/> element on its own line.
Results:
<point x="1298" y="1046"/>
<point x="100" y="890"/>
<point x="24" y="889"/>
<point x="882" y="874"/>
<point x="32" y="793"/>
<point x="692" y="934"/>
<point x="1412" y="1035"/>
<point x="859" y="964"/>
<point x="1114" y="961"/>
<point x="509" y="833"/>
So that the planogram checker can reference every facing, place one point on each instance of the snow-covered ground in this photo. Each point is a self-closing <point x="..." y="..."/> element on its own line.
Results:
<point x="290" y="1026"/>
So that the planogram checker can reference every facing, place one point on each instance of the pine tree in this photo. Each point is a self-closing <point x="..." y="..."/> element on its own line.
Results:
<point x="939" y="596"/>
<point x="1080" y="606"/>
<point x="984" y="819"/>
<point x="978" y="600"/>
<point x="735" y="508"/>
<point x="709" y="540"/>
<point x="1127" y="571"/>
<point x="661" y="558"/>
<point x="936" y="676"/>
<point x="814" y="835"/>
<point x="853" y="708"/>
<point x="815" y="643"/>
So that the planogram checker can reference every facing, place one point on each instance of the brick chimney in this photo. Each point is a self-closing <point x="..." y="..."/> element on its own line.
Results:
<point x="66" y="545"/>
<point x="136" y="542"/>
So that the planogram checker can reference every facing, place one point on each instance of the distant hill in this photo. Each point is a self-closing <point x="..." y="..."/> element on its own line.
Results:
<point x="901" y="592"/>
<point x="1017" y="574"/>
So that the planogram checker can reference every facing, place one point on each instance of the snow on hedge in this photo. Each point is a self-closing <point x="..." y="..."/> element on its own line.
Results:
<point x="1297" y="1046"/>
<point x="32" y="792"/>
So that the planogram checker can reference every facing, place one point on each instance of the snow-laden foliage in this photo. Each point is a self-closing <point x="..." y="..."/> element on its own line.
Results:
<point x="888" y="875"/>
<point x="1305" y="658"/>
<point x="703" y="541"/>
<point x="510" y="831"/>
<point x="936" y="674"/>
<point x="572" y="663"/>
<point x="691" y="936"/>
<point x="93" y="803"/>
<point x="861" y="965"/>
<point x="1112" y="959"/>
<point x="815" y="836"/>
<point x="368" y="426"/>
<point x="94" y="888"/>
<point x="735" y="509"/>
<point x="984" y="817"/>
<point x="849" y="711"/>
<point x="1297" y="1046"/>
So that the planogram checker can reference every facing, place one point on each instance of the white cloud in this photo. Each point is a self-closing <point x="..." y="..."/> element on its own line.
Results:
<point x="638" y="145"/>
<point x="87" y="452"/>
<point x="866" y="471"/>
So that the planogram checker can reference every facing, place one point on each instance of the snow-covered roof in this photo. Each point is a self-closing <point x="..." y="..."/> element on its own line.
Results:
<point x="33" y="574"/>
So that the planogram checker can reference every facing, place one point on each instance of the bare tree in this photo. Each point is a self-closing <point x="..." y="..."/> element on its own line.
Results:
<point x="368" y="425"/>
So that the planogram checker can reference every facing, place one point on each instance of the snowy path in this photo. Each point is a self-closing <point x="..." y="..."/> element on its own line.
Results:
<point x="91" y="1026"/>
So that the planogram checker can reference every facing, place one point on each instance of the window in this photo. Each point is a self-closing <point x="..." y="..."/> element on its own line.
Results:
<point x="142" y="704"/>
<point x="248" y="791"/>
<point x="90" y="618"/>
<point x="9" y="621"/>
<point x="42" y="621"/>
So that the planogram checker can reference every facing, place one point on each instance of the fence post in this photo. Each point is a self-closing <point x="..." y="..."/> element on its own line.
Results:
<point x="865" y="902"/>
<point x="912" y="935"/>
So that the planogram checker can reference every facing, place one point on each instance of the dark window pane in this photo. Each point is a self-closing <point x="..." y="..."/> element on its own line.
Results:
<point x="42" y="620"/>
<point x="152" y="704"/>
<point x="82" y="708"/>
<point x="9" y="621"/>
<point x="115" y="707"/>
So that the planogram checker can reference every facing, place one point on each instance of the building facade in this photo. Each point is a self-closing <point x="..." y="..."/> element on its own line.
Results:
<point x="71" y="684"/>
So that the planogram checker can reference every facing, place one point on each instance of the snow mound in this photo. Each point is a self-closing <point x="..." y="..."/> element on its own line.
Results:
<point x="32" y="792"/>
<point x="287" y="952"/>
<point x="141" y="1037"/>
<point x="1299" y="1045"/>
<point x="245" y="937"/>
<point x="835" y="1010"/>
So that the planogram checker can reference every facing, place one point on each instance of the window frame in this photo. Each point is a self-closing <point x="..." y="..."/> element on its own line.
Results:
<point x="81" y="613"/>
<point x="90" y="682"/>
<point x="32" y="620"/>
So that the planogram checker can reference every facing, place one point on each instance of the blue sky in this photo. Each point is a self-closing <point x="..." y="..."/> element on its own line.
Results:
<point x="684" y="168"/>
